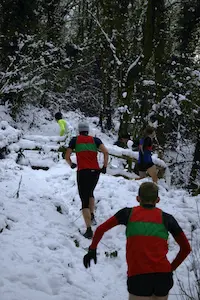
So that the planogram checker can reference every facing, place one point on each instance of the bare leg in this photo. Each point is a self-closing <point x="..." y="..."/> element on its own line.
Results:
<point x="142" y="175"/>
<point x="133" y="297"/>
<point x="87" y="216"/>
<point x="91" y="204"/>
<point x="159" y="298"/>
<point x="153" y="173"/>
<point x="139" y="178"/>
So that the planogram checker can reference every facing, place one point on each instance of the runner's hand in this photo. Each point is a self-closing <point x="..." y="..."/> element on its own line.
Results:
<point x="73" y="165"/>
<point x="103" y="170"/>
<point x="92" y="254"/>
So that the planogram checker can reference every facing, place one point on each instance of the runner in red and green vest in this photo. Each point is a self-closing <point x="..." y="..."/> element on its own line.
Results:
<point x="86" y="148"/>
<point x="147" y="227"/>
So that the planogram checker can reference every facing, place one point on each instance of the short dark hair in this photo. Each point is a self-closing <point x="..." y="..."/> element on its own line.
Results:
<point x="125" y="136"/>
<point x="58" y="116"/>
<point x="83" y="133"/>
<point x="149" y="130"/>
<point x="148" y="192"/>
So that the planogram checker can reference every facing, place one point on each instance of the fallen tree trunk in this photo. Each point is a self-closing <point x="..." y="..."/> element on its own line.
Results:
<point x="114" y="151"/>
<point x="117" y="152"/>
<point x="45" y="139"/>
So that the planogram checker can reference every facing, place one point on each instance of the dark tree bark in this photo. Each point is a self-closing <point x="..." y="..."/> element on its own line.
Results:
<point x="160" y="48"/>
<point x="196" y="160"/>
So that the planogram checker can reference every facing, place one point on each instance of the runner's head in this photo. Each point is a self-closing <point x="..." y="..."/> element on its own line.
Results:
<point x="124" y="138"/>
<point x="149" y="131"/>
<point x="148" y="193"/>
<point x="58" y="116"/>
<point x="83" y="128"/>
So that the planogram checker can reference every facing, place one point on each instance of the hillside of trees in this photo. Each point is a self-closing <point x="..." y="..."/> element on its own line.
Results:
<point x="135" y="60"/>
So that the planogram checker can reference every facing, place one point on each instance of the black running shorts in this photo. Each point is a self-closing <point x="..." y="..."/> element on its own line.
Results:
<point x="144" y="166"/>
<point x="87" y="180"/>
<point x="147" y="285"/>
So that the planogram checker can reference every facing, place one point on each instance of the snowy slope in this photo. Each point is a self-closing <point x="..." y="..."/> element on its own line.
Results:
<point x="39" y="254"/>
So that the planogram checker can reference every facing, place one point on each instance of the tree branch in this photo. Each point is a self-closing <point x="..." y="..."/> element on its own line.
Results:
<point x="112" y="47"/>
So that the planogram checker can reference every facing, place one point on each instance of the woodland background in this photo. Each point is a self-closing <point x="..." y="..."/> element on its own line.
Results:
<point x="137" y="61"/>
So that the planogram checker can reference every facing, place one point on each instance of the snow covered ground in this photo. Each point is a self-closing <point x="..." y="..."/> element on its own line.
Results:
<point x="42" y="249"/>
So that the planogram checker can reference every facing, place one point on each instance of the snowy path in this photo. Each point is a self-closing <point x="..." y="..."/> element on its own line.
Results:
<point x="39" y="254"/>
<point x="39" y="258"/>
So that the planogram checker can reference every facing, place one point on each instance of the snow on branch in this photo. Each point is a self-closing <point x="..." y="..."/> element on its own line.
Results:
<point x="112" y="47"/>
<point x="133" y="65"/>
<point x="4" y="75"/>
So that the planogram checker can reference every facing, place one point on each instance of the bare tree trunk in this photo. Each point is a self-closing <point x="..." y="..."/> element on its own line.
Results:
<point x="148" y="32"/>
<point x="160" y="43"/>
<point x="196" y="161"/>
<point x="138" y="67"/>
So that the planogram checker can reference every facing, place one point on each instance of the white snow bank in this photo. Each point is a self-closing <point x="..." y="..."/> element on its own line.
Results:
<point x="25" y="144"/>
<point x="40" y="258"/>
<point x="44" y="139"/>
<point x="8" y="134"/>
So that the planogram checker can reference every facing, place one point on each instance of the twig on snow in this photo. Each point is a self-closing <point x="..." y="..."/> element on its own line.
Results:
<point x="17" y="193"/>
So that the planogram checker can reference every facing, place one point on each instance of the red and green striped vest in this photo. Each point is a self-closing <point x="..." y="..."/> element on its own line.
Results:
<point x="86" y="153"/>
<point x="147" y="247"/>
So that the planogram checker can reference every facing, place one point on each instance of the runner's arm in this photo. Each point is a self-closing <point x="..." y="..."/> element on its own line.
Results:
<point x="120" y="218"/>
<point x="184" y="251"/>
<point x="68" y="156"/>
<point x="62" y="127"/>
<point x="181" y="239"/>
<point x="101" y="229"/>
<point x="104" y="150"/>
<point x="70" y="148"/>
